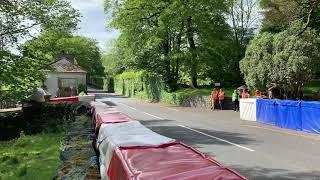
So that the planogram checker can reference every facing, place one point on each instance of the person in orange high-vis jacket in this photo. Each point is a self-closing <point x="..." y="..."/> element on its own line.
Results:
<point x="214" y="98"/>
<point x="245" y="94"/>
<point x="258" y="94"/>
<point x="221" y="98"/>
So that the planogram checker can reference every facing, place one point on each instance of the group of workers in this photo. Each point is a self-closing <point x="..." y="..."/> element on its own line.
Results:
<point x="220" y="96"/>
<point x="217" y="97"/>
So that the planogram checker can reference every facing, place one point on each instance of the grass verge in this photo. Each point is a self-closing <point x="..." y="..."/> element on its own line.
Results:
<point x="31" y="157"/>
<point x="312" y="89"/>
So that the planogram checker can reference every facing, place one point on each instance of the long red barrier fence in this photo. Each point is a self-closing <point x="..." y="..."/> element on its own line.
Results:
<point x="173" y="161"/>
<point x="65" y="99"/>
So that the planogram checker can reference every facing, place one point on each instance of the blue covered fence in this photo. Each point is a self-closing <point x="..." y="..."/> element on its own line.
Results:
<point x="266" y="110"/>
<point x="296" y="115"/>
<point x="310" y="117"/>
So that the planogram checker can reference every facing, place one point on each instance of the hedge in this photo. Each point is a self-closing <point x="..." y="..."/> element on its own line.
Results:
<point x="144" y="85"/>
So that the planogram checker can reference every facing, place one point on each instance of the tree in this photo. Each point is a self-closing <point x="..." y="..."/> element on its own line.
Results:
<point x="256" y="66"/>
<point x="168" y="36"/>
<point x="18" y="75"/>
<point x="279" y="14"/>
<point x="19" y="19"/>
<point x="283" y="58"/>
<point x="244" y="17"/>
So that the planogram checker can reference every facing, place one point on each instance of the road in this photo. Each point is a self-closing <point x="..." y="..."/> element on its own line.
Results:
<point x="254" y="150"/>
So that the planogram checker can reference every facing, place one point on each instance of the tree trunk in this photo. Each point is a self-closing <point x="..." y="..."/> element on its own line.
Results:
<point x="297" y="91"/>
<point x="167" y="74"/>
<point x="194" y="65"/>
<point x="178" y="50"/>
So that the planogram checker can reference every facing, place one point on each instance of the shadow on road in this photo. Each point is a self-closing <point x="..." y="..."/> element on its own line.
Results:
<point x="109" y="103"/>
<point x="109" y="95"/>
<point x="261" y="173"/>
<point x="148" y="123"/>
<point x="193" y="138"/>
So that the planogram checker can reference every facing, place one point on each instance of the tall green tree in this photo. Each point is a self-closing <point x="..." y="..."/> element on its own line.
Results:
<point x="19" y="20"/>
<point x="279" y="14"/>
<point x="285" y="58"/>
<point x="168" y="36"/>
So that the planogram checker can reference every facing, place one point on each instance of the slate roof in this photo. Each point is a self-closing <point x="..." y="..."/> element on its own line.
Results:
<point x="65" y="63"/>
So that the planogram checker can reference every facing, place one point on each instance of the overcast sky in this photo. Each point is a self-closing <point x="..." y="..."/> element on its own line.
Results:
<point x="93" y="21"/>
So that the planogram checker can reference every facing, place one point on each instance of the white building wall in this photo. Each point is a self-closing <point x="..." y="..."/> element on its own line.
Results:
<point x="52" y="80"/>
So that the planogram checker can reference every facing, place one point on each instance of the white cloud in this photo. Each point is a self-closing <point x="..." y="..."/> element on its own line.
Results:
<point x="93" y="21"/>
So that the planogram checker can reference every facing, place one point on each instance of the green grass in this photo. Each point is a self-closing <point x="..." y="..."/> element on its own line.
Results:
<point x="312" y="88"/>
<point x="31" y="157"/>
<point x="202" y="91"/>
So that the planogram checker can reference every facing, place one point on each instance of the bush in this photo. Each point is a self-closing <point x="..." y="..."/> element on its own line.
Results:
<point x="51" y="117"/>
<point x="284" y="58"/>
<point x="146" y="85"/>
<point x="81" y="88"/>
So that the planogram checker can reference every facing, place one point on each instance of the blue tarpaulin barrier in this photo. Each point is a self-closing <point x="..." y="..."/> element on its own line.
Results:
<point x="310" y="116"/>
<point x="296" y="115"/>
<point x="288" y="114"/>
<point x="266" y="110"/>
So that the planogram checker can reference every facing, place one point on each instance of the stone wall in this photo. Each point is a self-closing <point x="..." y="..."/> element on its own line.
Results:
<point x="204" y="102"/>
<point x="11" y="124"/>
<point x="39" y="117"/>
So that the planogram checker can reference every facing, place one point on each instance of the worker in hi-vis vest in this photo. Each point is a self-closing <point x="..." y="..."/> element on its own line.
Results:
<point x="214" y="98"/>
<point x="221" y="98"/>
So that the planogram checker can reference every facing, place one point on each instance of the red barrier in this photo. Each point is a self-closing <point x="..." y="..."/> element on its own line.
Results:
<point x="98" y="107"/>
<point x="172" y="161"/>
<point x="111" y="117"/>
<point x="65" y="99"/>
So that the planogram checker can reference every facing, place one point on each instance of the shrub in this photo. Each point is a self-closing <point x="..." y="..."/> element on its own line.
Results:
<point x="146" y="85"/>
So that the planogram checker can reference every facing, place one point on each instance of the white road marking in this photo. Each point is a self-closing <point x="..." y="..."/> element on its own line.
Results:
<point x="142" y="111"/>
<point x="128" y="106"/>
<point x="153" y="115"/>
<point x="170" y="108"/>
<point x="223" y="140"/>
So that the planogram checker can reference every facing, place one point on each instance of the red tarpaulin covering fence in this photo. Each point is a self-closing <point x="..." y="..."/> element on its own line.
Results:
<point x="171" y="161"/>
<point x="111" y="117"/>
<point x="65" y="99"/>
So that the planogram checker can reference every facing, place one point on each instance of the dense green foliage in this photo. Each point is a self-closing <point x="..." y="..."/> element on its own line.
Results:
<point x="281" y="13"/>
<point x="139" y="83"/>
<point x="31" y="157"/>
<point x="282" y="58"/>
<point x="18" y="19"/>
<point x="173" y="40"/>
<point x="286" y="53"/>
<point x="148" y="86"/>
<point x="312" y="89"/>
<point x="175" y="43"/>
